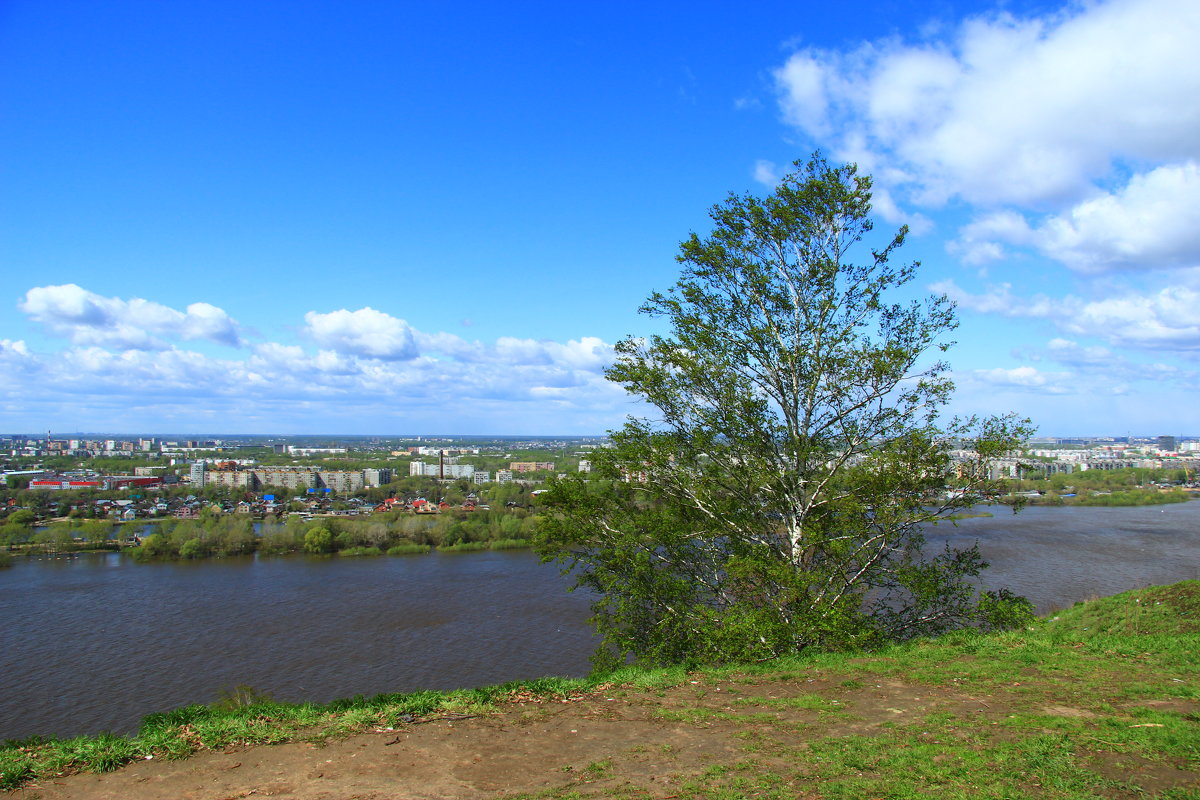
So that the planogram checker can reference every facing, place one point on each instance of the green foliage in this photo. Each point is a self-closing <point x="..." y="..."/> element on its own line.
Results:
<point x="241" y="696"/>
<point x="318" y="541"/>
<point x="408" y="549"/>
<point x="360" y="551"/>
<point x="1002" y="610"/>
<point x="776" y="500"/>
<point x="97" y="532"/>
<point x="14" y="533"/>
<point x="1134" y="497"/>
<point x="192" y="548"/>
<point x="22" y="516"/>
<point x="155" y="546"/>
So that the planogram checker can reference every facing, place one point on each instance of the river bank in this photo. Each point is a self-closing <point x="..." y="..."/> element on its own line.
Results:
<point x="1097" y="701"/>
<point x="95" y="642"/>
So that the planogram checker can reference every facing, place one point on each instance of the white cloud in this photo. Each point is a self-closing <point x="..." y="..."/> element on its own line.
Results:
<point x="365" y="332"/>
<point x="363" y="359"/>
<point x="766" y="172"/>
<point x="1000" y="300"/>
<point x="1008" y="110"/>
<point x="13" y="349"/>
<point x="1166" y="319"/>
<point x="1023" y="380"/>
<point x="16" y="366"/>
<point x="1065" y="351"/>
<point x="1109" y="367"/>
<point x="804" y="80"/>
<point x="87" y="318"/>
<point x="1151" y="223"/>
<point x="980" y="241"/>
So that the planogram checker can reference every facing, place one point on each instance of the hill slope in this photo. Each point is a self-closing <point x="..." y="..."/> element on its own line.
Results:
<point x="1100" y="700"/>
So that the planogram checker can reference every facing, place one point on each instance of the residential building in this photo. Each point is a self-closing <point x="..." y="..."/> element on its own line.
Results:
<point x="341" y="480"/>
<point x="377" y="477"/>
<point x="531" y="466"/>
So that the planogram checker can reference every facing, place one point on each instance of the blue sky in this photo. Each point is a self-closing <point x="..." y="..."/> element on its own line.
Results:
<point x="393" y="218"/>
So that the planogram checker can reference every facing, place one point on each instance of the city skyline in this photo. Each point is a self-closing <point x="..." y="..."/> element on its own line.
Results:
<point x="242" y="219"/>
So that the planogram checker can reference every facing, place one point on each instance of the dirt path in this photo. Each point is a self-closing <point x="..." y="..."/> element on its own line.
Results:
<point x="627" y="742"/>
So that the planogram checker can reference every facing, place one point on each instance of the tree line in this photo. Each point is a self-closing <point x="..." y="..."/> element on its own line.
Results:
<point x="220" y="535"/>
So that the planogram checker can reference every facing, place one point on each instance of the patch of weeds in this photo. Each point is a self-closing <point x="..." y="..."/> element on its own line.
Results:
<point x="641" y="678"/>
<point x="598" y="769"/>
<point x="754" y="741"/>
<point x="240" y="696"/>
<point x="938" y="719"/>
<point x="911" y="763"/>
<point x="737" y="782"/>
<point x="813" y="702"/>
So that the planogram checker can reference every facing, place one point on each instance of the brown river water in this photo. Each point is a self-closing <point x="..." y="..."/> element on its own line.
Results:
<point x="95" y="642"/>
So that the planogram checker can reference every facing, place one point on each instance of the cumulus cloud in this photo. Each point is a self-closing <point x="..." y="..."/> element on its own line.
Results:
<point x="275" y="374"/>
<point x="1000" y="300"/>
<point x="87" y="318"/>
<point x="365" y="332"/>
<point x="1153" y="222"/>
<point x="1086" y="374"/>
<point x="1009" y="110"/>
<point x="349" y="360"/>
<point x="766" y="172"/>
<point x="1023" y="377"/>
<point x="1165" y="319"/>
<point x="1159" y="320"/>
<point x="1111" y="367"/>
<point x="369" y="333"/>
<point x="1065" y="351"/>
<point x="16" y="364"/>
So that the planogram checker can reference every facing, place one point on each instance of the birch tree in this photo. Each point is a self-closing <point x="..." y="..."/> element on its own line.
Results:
<point x="775" y="497"/>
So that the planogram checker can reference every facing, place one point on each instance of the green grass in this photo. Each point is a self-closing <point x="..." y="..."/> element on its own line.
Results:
<point x="408" y="549"/>
<point x="463" y="547"/>
<point x="508" y="544"/>
<point x="351" y="552"/>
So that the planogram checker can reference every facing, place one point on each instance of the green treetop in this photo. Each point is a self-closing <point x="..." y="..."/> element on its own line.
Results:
<point x="774" y="499"/>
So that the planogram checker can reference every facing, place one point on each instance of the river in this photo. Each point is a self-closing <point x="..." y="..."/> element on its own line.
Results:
<point x="95" y="642"/>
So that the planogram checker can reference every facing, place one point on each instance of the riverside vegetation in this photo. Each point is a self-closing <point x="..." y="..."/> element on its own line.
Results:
<point x="220" y="535"/>
<point x="393" y="534"/>
<point x="1101" y="700"/>
<point x="1118" y="487"/>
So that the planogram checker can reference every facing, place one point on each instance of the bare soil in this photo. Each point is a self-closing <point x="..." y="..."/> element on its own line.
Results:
<point x="620" y="741"/>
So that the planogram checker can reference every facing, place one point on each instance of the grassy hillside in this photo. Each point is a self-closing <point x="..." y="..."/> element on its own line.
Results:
<point x="1101" y="700"/>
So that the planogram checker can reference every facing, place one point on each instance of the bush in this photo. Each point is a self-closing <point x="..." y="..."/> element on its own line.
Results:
<point x="318" y="540"/>
<point x="360" y="551"/>
<point x="193" y="548"/>
<point x="408" y="549"/>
